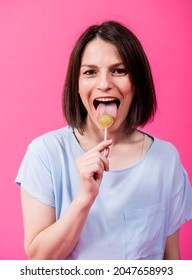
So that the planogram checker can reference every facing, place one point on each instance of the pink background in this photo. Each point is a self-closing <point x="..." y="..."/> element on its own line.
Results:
<point x="35" y="41"/>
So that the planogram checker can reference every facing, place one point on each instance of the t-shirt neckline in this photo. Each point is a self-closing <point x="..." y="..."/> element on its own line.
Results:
<point x="80" y="150"/>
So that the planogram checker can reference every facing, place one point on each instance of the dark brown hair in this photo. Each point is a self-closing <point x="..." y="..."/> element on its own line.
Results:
<point x="144" y="104"/>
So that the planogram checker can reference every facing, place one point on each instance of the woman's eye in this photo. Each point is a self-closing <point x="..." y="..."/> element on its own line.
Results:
<point x="89" y="72"/>
<point x="120" y="71"/>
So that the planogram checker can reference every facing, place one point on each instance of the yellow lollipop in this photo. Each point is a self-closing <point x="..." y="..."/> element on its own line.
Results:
<point x="106" y="120"/>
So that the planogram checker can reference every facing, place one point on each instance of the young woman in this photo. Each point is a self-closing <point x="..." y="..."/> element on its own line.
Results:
<point x="128" y="202"/>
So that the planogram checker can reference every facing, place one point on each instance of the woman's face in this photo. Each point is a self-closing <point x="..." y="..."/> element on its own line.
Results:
<point x="104" y="83"/>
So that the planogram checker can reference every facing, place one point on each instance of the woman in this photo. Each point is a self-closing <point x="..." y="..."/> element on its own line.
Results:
<point x="127" y="203"/>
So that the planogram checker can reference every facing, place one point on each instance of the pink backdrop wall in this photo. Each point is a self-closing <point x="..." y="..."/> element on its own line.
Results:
<point x="35" y="41"/>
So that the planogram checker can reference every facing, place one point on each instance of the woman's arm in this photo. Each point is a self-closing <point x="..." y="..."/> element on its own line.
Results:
<point x="46" y="238"/>
<point x="172" y="247"/>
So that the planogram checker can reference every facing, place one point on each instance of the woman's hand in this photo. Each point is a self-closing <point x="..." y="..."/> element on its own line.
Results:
<point x="91" y="166"/>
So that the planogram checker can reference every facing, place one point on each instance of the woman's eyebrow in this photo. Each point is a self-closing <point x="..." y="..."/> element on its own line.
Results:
<point x="95" y="66"/>
<point x="89" y="65"/>
<point x="117" y="64"/>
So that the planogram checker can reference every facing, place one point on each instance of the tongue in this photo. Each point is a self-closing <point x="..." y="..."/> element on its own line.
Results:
<point x="110" y="109"/>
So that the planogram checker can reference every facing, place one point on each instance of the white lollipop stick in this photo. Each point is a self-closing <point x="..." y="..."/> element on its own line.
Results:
<point x="105" y="134"/>
<point x="106" y="120"/>
<point x="105" y="139"/>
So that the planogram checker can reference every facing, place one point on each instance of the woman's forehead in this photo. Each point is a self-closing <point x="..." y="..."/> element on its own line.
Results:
<point x="99" y="50"/>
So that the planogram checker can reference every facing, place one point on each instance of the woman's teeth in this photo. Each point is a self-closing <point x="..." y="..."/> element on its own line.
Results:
<point x="106" y="99"/>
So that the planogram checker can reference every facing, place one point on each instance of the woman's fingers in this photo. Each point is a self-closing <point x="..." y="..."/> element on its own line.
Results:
<point x="95" y="156"/>
<point x="91" y="166"/>
<point x="102" y="146"/>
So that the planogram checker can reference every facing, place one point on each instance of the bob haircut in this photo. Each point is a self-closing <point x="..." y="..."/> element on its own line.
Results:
<point x="144" y="103"/>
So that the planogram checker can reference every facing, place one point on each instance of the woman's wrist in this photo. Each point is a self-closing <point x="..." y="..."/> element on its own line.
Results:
<point x="85" y="200"/>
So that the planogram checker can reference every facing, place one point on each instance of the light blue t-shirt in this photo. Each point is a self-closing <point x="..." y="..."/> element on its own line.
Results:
<point x="136" y="209"/>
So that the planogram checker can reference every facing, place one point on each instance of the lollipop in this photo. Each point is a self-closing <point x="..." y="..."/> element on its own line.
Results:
<point x="106" y="120"/>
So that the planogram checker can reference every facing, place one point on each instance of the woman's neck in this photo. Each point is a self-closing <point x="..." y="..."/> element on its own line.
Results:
<point x="92" y="136"/>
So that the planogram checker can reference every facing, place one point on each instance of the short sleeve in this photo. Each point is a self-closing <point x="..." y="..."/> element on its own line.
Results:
<point x="34" y="174"/>
<point x="180" y="208"/>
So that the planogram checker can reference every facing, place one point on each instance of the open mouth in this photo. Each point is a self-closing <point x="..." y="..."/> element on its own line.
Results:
<point x="106" y="101"/>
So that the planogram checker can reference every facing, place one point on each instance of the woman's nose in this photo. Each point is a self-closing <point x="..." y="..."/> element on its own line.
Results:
<point x="104" y="82"/>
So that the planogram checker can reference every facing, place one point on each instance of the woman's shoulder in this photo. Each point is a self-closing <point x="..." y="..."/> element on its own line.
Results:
<point x="164" y="148"/>
<point x="52" y="139"/>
